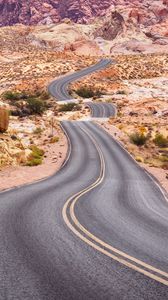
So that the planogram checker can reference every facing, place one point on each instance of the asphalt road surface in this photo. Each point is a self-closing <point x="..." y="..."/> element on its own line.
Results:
<point x="102" y="109"/>
<point x="95" y="230"/>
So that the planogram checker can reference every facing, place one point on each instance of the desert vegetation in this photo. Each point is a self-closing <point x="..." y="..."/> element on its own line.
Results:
<point x="160" y="140"/>
<point x="69" y="107"/>
<point x="88" y="92"/>
<point x="138" y="138"/>
<point x="36" y="156"/>
<point x="26" y="103"/>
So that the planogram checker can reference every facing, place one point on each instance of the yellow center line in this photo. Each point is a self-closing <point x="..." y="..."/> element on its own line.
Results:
<point x="72" y="201"/>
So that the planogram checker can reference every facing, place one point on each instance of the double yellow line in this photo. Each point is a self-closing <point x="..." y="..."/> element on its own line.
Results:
<point x="75" y="226"/>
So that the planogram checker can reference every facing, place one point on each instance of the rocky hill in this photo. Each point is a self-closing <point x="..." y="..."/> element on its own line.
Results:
<point x="145" y="12"/>
<point x="49" y="11"/>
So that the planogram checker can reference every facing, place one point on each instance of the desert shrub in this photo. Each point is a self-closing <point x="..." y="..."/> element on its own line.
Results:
<point x="54" y="139"/>
<point x="160" y="140"/>
<point x="36" y="157"/>
<point x="121" y="92"/>
<point x="15" y="96"/>
<point x="138" y="139"/>
<point x="9" y="95"/>
<point x="77" y="107"/>
<point x="119" y="114"/>
<point x="37" y="151"/>
<point x="34" y="161"/>
<point x="36" y="106"/>
<point x="87" y="92"/>
<point x="69" y="107"/>
<point x="20" y="112"/>
<point x="139" y="159"/>
<point x="45" y="96"/>
<point x="164" y="158"/>
<point x="38" y="130"/>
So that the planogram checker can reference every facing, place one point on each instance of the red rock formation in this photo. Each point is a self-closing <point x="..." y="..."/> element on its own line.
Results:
<point x="48" y="11"/>
<point x="112" y="27"/>
<point x="52" y="11"/>
<point x="138" y="16"/>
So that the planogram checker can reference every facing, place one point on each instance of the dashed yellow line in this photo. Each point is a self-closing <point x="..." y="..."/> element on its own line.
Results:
<point x="70" y="206"/>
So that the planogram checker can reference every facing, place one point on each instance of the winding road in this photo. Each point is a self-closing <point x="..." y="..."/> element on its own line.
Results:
<point x="97" y="229"/>
<point x="102" y="109"/>
<point x="59" y="88"/>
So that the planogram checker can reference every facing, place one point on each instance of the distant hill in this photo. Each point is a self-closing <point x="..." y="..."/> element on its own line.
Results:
<point x="32" y="12"/>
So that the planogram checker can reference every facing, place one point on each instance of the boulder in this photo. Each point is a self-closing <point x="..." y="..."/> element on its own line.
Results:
<point x="4" y="119"/>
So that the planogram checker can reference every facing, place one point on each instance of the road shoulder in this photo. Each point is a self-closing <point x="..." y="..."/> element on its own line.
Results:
<point x="158" y="173"/>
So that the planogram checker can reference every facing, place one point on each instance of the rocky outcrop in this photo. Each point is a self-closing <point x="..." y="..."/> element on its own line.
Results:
<point x="144" y="12"/>
<point x="4" y="119"/>
<point x="49" y="11"/>
<point x="111" y="28"/>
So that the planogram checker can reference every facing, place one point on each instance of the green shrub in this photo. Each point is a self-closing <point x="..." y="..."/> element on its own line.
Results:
<point x="138" y="139"/>
<point x="87" y="92"/>
<point x="160" y="140"/>
<point x="36" y="157"/>
<point x="9" y="95"/>
<point x="15" y="96"/>
<point x="36" y="106"/>
<point x="69" y="107"/>
<point x="37" y="151"/>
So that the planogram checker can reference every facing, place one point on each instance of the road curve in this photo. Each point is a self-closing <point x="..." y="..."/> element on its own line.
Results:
<point x="102" y="109"/>
<point x="59" y="90"/>
<point x="59" y="87"/>
<point x="89" y="234"/>
<point x="97" y="229"/>
<point x="42" y="257"/>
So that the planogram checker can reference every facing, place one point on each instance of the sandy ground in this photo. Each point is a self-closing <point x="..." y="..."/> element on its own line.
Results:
<point x="55" y="155"/>
<point x="158" y="173"/>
